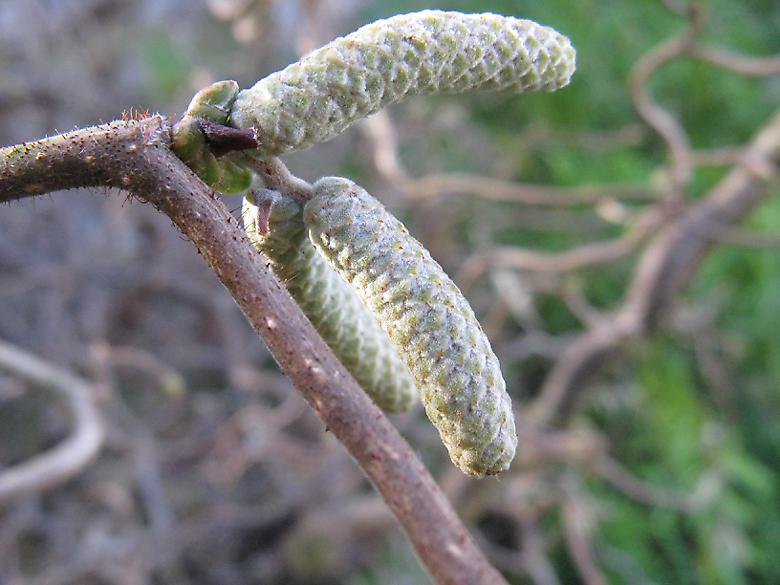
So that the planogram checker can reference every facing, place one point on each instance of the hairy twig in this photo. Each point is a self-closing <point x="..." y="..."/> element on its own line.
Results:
<point x="72" y="455"/>
<point x="135" y="157"/>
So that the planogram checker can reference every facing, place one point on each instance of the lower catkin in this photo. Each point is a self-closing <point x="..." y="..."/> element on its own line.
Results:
<point x="274" y="224"/>
<point x="425" y="316"/>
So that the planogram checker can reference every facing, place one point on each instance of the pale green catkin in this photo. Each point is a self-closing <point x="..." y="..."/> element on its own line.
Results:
<point x="426" y="317"/>
<point x="425" y="52"/>
<point x="274" y="224"/>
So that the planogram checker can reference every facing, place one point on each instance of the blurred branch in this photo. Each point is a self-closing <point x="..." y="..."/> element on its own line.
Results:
<point x="572" y="293"/>
<point x="170" y="381"/>
<point x="275" y="175"/>
<point x="134" y="156"/>
<point x="682" y="159"/>
<point x="737" y="236"/>
<point x="557" y="262"/>
<point x="531" y="560"/>
<point x="385" y="154"/>
<point x="534" y="556"/>
<point x="588" y="451"/>
<point x="680" y="7"/>
<point x="577" y="523"/>
<point x="536" y="343"/>
<point x="72" y="455"/>
<point x="716" y="157"/>
<point x="656" y="116"/>
<point x="736" y="62"/>
<point x="432" y="186"/>
<point x="621" y="479"/>
<point x="667" y="264"/>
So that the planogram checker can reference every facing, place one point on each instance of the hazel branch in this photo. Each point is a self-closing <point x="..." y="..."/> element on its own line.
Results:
<point x="135" y="156"/>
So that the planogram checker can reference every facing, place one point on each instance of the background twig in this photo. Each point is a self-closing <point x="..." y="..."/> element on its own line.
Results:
<point x="74" y="453"/>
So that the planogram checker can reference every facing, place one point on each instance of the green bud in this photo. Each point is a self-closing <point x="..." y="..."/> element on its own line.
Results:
<point x="214" y="102"/>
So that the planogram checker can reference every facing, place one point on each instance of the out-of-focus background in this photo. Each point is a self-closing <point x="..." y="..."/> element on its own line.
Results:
<point x="654" y="461"/>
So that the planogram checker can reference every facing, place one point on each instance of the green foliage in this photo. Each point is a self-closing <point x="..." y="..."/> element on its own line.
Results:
<point x="167" y="64"/>
<point x="678" y="443"/>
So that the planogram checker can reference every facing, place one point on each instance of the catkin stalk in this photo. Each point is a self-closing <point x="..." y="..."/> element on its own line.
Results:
<point x="274" y="224"/>
<point x="425" y="316"/>
<point x="421" y="53"/>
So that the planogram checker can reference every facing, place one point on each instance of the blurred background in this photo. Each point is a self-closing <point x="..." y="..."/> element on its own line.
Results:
<point x="644" y="365"/>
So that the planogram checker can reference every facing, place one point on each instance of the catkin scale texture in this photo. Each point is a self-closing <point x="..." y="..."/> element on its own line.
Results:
<point x="426" y="317"/>
<point x="420" y="53"/>
<point x="334" y="309"/>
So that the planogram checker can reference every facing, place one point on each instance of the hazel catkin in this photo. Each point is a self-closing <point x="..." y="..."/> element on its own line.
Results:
<point x="274" y="224"/>
<point x="420" y="53"/>
<point x="425" y="316"/>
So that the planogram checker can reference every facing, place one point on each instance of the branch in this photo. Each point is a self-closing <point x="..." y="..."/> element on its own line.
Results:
<point x="556" y="262"/>
<point x="666" y="266"/>
<point x="577" y="526"/>
<point x="135" y="156"/>
<point x="67" y="459"/>
<point x="424" y="189"/>
<point x="738" y="63"/>
<point x="657" y="117"/>
<point x="736" y="236"/>
<point x="621" y="479"/>
<point x="430" y="186"/>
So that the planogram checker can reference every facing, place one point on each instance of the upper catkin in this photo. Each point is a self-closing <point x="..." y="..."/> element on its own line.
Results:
<point x="424" y="52"/>
<point x="427" y="318"/>
<point x="274" y="224"/>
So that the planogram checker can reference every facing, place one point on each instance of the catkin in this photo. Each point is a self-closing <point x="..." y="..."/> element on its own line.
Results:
<point x="424" y="52"/>
<point x="426" y="317"/>
<point x="274" y="223"/>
